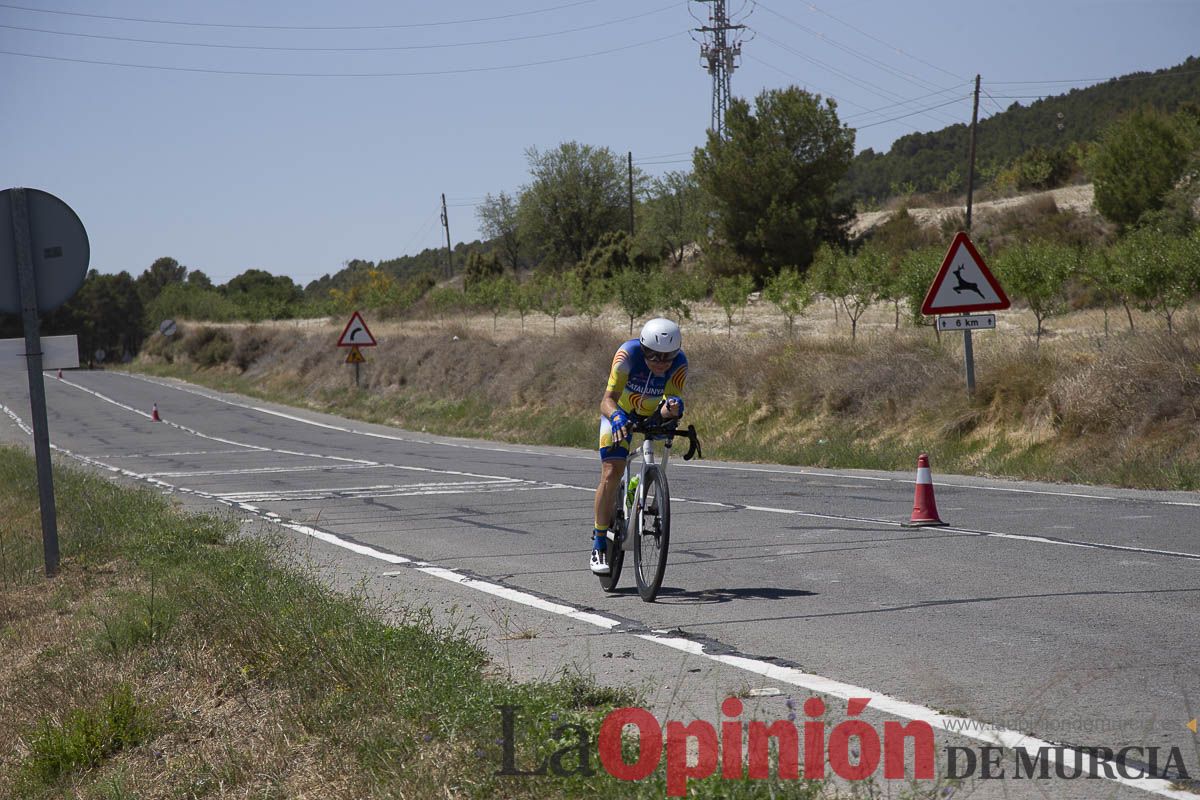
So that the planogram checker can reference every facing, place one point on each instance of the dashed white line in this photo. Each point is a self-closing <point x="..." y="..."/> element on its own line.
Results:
<point x="719" y="467"/>
<point x="796" y="677"/>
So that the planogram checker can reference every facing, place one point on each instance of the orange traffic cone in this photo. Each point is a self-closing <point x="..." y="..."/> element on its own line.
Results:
<point x="924" y="513"/>
<point x="154" y="414"/>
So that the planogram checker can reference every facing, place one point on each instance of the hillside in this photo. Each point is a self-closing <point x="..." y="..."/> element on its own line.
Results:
<point x="925" y="161"/>
<point x="1069" y="198"/>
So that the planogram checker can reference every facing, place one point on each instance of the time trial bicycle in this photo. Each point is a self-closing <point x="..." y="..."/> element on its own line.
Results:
<point x="641" y="519"/>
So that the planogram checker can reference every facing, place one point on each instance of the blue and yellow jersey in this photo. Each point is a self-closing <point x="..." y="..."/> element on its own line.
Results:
<point x="640" y="389"/>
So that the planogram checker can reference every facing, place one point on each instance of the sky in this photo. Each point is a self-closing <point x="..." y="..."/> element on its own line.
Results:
<point x="293" y="137"/>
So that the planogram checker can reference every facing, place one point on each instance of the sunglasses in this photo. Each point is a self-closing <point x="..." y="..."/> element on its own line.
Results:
<point x="662" y="358"/>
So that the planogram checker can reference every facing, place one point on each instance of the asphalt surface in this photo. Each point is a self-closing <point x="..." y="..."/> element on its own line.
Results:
<point x="1064" y="612"/>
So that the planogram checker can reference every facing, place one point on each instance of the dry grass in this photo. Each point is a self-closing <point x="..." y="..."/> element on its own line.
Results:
<point x="1048" y="411"/>
<point x="219" y="734"/>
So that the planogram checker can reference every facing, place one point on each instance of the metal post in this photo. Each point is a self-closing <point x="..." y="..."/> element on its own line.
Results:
<point x="970" y="358"/>
<point x="355" y="374"/>
<point x="22" y="240"/>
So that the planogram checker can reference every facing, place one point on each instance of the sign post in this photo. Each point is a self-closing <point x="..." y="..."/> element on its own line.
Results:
<point x="355" y="335"/>
<point x="48" y="258"/>
<point x="973" y="288"/>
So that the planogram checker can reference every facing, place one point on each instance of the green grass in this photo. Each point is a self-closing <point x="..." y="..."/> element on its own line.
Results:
<point x="83" y="739"/>
<point x="400" y="709"/>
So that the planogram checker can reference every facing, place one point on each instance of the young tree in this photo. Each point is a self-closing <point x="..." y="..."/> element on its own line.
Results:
<point x="578" y="194"/>
<point x="674" y="293"/>
<point x="772" y="176"/>
<point x="1162" y="272"/>
<point x="1101" y="272"/>
<point x="790" y="293"/>
<point x="635" y="294"/>
<point x="553" y="294"/>
<point x="588" y="296"/>
<point x="915" y="275"/>
<point x="1037" y="272"/>
<point x="525" y="299"/>
<point x="445" y="299"/>
<point x="498" y="221"/>
<point x="493" y="295"/>
<point x="853" y="281"/>
<point x="732" y="292"/>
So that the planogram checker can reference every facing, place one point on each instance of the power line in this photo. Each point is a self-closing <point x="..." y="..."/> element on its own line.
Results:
<point x="826" y="93"/>
<point x="912" y="113"/>
<point x="419" y="74"/>
<point x="337" y="49"/>
<point x="885" y="44"/>
<point x="300" y="27"/>
<point x="901" y="103"/>
<point x="847" y="49"/>
<point x="859" y="82"/>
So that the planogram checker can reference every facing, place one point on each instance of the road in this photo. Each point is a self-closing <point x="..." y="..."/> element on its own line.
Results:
<point x="1064" y="612"/>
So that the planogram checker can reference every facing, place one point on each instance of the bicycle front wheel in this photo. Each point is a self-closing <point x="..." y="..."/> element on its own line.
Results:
<point x="651" y="529"/>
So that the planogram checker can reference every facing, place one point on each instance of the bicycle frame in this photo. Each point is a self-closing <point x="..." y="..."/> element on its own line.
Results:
<point x="647" y="455"/>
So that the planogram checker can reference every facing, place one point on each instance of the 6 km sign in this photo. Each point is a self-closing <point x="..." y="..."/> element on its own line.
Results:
<point x="973" y="288"/>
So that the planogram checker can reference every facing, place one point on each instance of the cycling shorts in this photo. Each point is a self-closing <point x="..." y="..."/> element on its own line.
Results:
<point x="608" y="450"/>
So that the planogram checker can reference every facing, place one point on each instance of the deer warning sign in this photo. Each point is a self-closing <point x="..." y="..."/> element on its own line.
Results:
<point x="964" y="283"/>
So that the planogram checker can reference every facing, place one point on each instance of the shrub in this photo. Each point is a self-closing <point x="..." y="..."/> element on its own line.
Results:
<point x="208" y="347"/>
<point x="250" y="345"/>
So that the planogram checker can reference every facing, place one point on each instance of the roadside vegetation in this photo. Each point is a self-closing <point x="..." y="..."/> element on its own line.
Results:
<point x="1075" y="407"/>
<point x="172" y="658"/>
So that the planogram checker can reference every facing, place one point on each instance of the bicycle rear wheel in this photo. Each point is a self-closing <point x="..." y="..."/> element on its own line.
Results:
<point x="613" y="552"/>
<point x="650" y="527"/>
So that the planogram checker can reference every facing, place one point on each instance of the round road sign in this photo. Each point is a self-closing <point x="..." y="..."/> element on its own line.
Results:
<point x="168" y="328"/>
<point x="59" y="249"/>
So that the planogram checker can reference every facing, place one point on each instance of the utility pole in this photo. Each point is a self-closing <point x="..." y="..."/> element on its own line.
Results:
<point x="449" y="252"/>
<point x="631" y="194"/>
<point x="968" y="349"/>
<point x="719" y="53"/>
<point x="971" y="155"/>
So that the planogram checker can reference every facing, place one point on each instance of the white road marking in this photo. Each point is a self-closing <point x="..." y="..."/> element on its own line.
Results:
<point x="354" y="492"/>
<point x="265" y="470"/>
<point x="765" y="509"/>
<point x="960" y="726"/>
<point x="816" y="683"/>
<point x="171" y="455"/>
<point x="690" y="465"/>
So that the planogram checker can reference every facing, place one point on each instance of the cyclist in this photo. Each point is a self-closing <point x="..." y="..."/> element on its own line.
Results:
<point x="644" y="371"/>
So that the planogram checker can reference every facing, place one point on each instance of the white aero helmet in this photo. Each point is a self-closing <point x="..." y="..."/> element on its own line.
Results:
<point x="661" y="335"/>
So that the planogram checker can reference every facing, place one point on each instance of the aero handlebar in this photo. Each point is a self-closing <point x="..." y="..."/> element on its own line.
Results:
<point x="654" y="428"/>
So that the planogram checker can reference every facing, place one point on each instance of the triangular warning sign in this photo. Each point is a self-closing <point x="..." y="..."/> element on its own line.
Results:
<point x="964" y="283"/>
<point x="355" y="356"/>
<point x="356" y="334"/>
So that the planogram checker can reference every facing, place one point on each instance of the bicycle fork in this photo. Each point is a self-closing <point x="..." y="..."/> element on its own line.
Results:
<point x="632" y="504"/>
